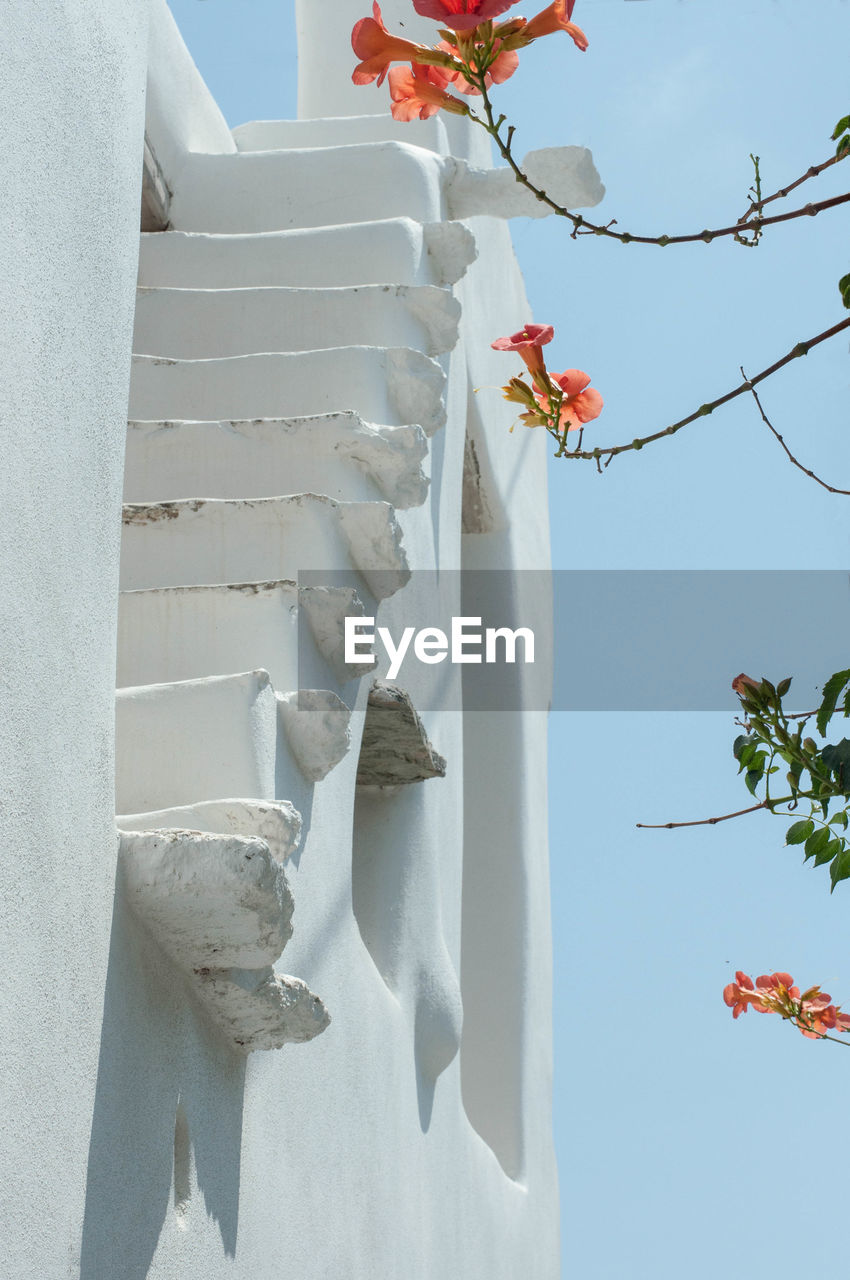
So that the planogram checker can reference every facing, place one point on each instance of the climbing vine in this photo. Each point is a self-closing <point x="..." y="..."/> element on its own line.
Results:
<point x="478" y="51"/>
<point x="788" y="766"/>
<point x="776" y="746"/>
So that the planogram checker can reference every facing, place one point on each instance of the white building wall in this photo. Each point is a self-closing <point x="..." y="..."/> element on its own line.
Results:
<point x="376" y="1150"/>
<point x="71" y="120"/>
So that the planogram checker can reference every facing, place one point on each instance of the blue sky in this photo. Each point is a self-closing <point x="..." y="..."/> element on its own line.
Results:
<point x="688" y="1145"/>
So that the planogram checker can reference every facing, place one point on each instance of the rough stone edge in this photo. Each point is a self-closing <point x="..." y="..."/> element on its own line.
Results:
<point x="395" y="749"/>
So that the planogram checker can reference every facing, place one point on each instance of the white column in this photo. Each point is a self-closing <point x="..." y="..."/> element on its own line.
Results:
<point x="326" y="59"/>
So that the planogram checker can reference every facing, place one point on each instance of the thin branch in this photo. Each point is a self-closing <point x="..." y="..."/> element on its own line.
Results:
<point x="757" y="205"/>
<point x="819" y="1035"/>
<point x="830" y="488"/>
<point x="582" y="226"/>
<point x="801" y="349"/>
<point x="705" y="822"/>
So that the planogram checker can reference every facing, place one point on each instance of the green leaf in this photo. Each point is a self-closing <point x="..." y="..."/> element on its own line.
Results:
<point x="842" y="127"/>
<point x="816" y="842"/>
<point x="741" y="742"/>
<point x="831" y="690"/>
<point x="828" y="852"/>
<point x="844" y="282"/>
<point x="753" y="778"/>
<point x="840" y="869"/>
<point x="837" y="760"/>
<point x="783" y="686"/>
<point x="799" y="831"/>
<point x="843" y="147"/>
<point x="839" y="819"/>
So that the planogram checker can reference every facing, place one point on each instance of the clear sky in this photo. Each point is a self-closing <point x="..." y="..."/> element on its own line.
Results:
<point x="689" y="1145"/>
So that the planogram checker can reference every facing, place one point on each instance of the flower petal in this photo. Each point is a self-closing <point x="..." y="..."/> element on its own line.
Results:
<point x="572" y="381"/>
<point x="461" y="15"/>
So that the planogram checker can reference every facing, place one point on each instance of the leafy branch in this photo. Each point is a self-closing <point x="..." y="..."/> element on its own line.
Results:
<point x="816" y="774"/>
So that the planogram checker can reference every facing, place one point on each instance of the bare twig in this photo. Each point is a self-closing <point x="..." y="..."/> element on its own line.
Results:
<point x="705" y="822"/>
<point x="830" y="488"/>
<point x="757" y="205"/>
<point x="801" y="349"/>
<point x="582" y="225"/>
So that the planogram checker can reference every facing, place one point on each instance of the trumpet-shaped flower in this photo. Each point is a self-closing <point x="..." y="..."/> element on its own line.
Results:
<point x="461" y="15"/>
<point x="812" y="1013"/>
<point x="580" y="402"/>
<point x="378" y="48"/>
<point x="417" y="93"/>
<point x="779" y="994"/>
<point x="555" y="17"/>
<point x="527" y="343"/>
<point x="739" y="995"/>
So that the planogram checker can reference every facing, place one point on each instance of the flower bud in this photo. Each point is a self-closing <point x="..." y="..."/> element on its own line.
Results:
<point x="519" y="392"/>
<point x="505" y="30"/>
<point x="743" y="684"/>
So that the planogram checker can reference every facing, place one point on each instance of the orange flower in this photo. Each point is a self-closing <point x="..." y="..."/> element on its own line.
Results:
<point x="555" y="17"/>
<point x="742" y="683"/>
<point x="377" y="48"/>
<point x="527" y="343"/>
<point x="581" y="403"/>
<point x="816" y="1024"/>
<point x="818" y="1015"/>
<point x="417" y="93"/>
<point x="812" y="1013"/>
<point x="779" y="994"/>
<point x="739" y="995"/>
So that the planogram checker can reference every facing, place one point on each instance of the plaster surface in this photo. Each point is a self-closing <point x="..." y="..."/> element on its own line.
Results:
<point x="71" y="122"/>
<point x="329" y="256"/>
<point x="337" y="453"/>
<point x="308" y="338"/>
<point x="389" y="385"/>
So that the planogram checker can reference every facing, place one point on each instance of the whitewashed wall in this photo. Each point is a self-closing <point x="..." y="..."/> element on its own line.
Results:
<point x="71" y="122"/>
<point x="144" y="1146"/>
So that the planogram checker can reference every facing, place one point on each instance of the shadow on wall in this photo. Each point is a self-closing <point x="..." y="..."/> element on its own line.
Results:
<point x="168" y="1102"/>
<point x="494" y="926"/>
<point x="396" y="895"/>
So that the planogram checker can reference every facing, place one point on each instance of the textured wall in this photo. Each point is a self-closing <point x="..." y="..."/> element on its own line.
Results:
<point x="71" y="121"/>
<point x="396" y="1143"/>
<point x="142" y="1145"/>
